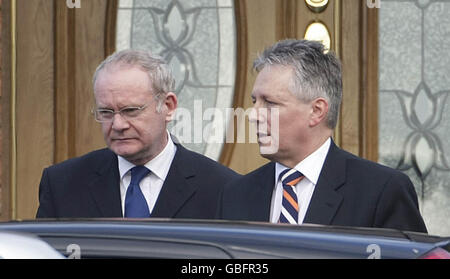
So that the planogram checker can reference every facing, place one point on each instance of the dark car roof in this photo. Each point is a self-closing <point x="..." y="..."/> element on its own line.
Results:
<point x="166" y="238"/>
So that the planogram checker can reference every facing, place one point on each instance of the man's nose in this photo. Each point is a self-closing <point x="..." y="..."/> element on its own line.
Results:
<point x="258" y="113"/>
<point x="119" y="122"/>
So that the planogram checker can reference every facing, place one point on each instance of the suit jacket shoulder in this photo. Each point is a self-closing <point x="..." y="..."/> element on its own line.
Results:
<point x="202" y="165"/>
<point x="352" y="191"/>
<point x="85" y="186"/>
<point x="99" y="158"/>
<point x="248" y="197"/>
<point x="192" y="186"/>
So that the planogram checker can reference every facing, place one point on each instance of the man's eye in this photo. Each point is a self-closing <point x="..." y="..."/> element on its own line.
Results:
<point x="104" y="112"/>
<point x="130" y="111"/>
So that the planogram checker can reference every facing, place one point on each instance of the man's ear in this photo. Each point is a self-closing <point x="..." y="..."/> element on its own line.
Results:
<point x="319" y="111"/>
<point x="170" y="103"/>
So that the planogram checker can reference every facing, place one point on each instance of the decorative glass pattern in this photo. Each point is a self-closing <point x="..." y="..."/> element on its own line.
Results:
<point x="197" y="37"/>
<point x="414" y="112"/>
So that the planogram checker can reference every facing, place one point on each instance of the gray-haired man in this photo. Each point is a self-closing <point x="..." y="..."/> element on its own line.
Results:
<point x="142" y="173"/>
<point x="311" y="180"/>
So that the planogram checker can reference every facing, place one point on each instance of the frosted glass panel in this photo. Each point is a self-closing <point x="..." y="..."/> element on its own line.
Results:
<point x="197" y="38"/>
<point x="414" y="105"/>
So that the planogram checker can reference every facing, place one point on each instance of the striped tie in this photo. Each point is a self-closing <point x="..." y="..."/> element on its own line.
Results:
<point x="289" y="211"/>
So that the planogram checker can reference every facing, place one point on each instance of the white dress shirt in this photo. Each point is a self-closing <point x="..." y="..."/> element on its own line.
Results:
<point x="151" y="184"/>
<point x="310" y="167"/>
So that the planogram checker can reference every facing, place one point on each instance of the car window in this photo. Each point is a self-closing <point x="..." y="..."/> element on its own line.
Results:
<point x="115" y="247"/>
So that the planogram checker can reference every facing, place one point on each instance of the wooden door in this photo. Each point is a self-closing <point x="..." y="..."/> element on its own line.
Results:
<point x="50" y="52"/>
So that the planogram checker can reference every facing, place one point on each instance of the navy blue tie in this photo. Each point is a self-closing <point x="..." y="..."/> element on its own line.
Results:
<point x="135" y="203"/>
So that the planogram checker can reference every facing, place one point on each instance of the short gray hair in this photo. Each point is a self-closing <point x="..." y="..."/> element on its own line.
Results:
<point x="157" y="68"/>
<point x="317" y="74"/>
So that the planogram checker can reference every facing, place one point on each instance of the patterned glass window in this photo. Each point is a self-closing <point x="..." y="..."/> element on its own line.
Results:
<point x="414" y="101"/>
<point x="197" y="37"/>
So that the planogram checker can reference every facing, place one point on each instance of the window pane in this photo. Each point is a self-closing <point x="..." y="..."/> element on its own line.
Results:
<point x="414" y="104"/>
<point x="197" y="37"/>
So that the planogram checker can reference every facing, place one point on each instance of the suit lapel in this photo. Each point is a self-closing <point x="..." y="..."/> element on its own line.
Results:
<point x="104" y="186"/>
<point x="178" y="186"/>
<point x="261" y="193"/>
<point x="326" y="200"/>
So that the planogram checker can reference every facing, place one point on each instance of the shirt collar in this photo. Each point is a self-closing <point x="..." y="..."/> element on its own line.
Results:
<point x="159" y="165"/>
<point x="311" y="166"/>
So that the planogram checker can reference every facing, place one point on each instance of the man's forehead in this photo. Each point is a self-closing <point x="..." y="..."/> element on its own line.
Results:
<point x="272" y="81"/>
<point x="121" y="67"/>
<point x="128" y="76"/>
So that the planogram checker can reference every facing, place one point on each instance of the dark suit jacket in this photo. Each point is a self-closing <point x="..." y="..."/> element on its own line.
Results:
<point x="350" y="192"/>
<point x="88" y="186"/>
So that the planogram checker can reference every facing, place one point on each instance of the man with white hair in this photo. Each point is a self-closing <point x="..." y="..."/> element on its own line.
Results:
<point x="142" y="173"/>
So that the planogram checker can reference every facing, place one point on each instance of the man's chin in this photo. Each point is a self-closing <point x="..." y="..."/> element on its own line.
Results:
<point x="268" y="150"/>
<point x="124" y="151"/>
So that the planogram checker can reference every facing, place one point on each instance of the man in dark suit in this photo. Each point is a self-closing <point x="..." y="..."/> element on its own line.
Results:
<point x="296" y="98"/>
<point x="142" y="173"/>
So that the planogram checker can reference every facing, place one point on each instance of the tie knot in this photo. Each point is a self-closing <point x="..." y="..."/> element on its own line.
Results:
<point x="137" y="173"/>
<point x="290" y="177"/>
